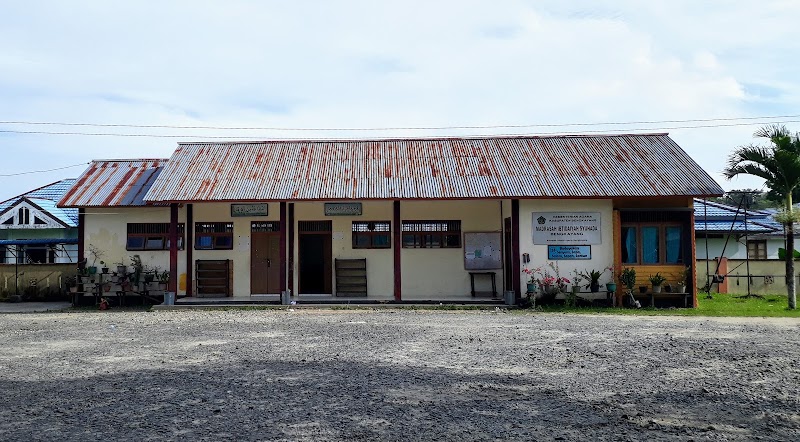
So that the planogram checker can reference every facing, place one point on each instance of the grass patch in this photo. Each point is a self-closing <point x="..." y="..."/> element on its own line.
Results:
<point x="719" y="305"/>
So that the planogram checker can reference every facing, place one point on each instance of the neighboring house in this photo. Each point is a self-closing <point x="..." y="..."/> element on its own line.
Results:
<point x="727" y="231"/>
<point x="33" y="230"/>
<point x="394" y="220"/>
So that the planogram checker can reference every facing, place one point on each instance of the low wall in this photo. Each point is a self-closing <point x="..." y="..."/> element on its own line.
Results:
<point x="36" y="281"/>
<point x="767" y="276"/>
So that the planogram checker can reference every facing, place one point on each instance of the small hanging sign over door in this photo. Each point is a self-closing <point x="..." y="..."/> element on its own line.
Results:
<point x="342" y="209"/>
<point x="261" y="209"/>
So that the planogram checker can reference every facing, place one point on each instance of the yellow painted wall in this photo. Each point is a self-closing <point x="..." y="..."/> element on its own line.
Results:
<point x="107" y="229"/>
<point x="440" y="273"/>
<point x="221" y="212"/>
<point x="602" y="254"/>
<point x="380" y="262"/>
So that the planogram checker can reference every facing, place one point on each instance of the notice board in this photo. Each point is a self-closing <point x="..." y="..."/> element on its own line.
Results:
<point x="483" y="251"/>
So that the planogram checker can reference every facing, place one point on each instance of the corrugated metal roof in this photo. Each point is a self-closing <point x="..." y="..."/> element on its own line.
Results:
<point x="113" y="183"/>
<point x="714" y="216"/>
<point x="492" y="167"/>
<point x="53" y="193"/>
<point x="733" y="227"/>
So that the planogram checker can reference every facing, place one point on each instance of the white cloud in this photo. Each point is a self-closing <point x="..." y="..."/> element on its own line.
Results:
<point x="373" y="64"/>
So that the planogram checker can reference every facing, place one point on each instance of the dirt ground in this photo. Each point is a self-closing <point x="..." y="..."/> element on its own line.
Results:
<point x="396" y="375"/>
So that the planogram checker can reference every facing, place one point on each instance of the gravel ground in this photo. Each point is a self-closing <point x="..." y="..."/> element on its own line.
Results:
<point x="396" y="375"/>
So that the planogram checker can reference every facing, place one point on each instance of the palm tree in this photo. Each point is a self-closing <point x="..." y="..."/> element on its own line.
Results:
<point x="778" y="164"/>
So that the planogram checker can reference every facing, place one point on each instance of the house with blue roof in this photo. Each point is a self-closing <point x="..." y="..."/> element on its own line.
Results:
<point x="33" y="230"/>
<point x="735" y="233"/>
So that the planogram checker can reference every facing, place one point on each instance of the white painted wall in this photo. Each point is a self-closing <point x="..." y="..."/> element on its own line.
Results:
<point x="380" y="262"/>
<point x="107" y="229"/>
<point x="440" y="273"/>
<point x="221" y="212"/>
<point x="734" y="249"/>
<point x="602" y="254"/>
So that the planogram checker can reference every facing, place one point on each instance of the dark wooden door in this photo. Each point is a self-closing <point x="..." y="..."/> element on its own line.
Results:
<point x="315" y="252"/>
<point x="508" y="281"/>
<point x="265" y="263"/>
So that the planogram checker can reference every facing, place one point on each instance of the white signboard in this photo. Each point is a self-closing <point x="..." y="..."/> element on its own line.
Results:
<point x="566" y="228"/>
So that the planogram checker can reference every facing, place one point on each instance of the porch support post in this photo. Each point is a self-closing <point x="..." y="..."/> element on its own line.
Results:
<point x="189" y="247"/>
<point x="81" y="239"/>
<point x="693" y="272"/>
<point x="291" y="246"/>
<point x="397" y="246"/>
<point x="616" y="229"/>
<point x="515" y="258"/>
<point x="283" y="246"/>
<point x="173" y="248"/>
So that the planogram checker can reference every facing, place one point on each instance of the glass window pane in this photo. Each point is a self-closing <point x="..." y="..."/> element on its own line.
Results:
<point x="360" y="241"/>
<point x="650" y="245"/>
<point x="223" y="242"/>
<point x="452" y="240"/>
<point x="629" y="245"/>
<point x="381" y="241"/>
<point x="408" y="240"/>
<point x="433" y="241"/>
<point x="135" y="243"/>
<point x="203" y="242"/>
<point x="673" y="243"/>
<point x="155" y="243"/>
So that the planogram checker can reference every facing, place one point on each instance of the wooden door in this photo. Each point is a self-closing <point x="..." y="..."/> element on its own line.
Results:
<point x="315" y="252"/>
<point x="508" y="275"/>
<point x="265" y="265"/>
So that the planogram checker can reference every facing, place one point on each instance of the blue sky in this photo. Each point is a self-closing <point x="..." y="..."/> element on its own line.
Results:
<point x="361" y="64"/>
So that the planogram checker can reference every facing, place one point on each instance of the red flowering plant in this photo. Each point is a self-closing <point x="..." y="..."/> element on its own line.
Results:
<point x="531" y="274"/>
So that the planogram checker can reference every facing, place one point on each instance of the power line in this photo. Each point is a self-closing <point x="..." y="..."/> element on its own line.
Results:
<point x="320" y="129"/>
<point x="42" y="171"/>
<point x="625" y="130"/>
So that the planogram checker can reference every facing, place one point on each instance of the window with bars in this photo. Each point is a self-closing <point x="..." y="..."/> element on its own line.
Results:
<point x="213" y="236"/>
<point x="757" y="249"/>
<point x="372" y="234"/>
<point x="265" y="226"/>
<point x="431" y="234"/>
<point x="152" y="236"/>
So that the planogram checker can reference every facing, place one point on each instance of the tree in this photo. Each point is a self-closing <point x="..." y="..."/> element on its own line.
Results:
<point x="778" y="164"/>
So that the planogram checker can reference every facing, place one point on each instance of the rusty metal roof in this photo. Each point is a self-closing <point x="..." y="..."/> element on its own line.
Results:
<point x="437" y="168"/>
<point x="118" y="183"/>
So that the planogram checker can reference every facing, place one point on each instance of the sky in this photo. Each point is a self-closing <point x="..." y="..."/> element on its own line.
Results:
<point x="311" y="65"/>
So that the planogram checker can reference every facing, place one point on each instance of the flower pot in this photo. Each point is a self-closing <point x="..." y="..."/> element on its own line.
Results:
<point x="73" y="289"/>
<point x="122" y="270"/>
<point x="91" y="270"/>
<point x="657" y="289"/>
<point x="576" y="289"/>
<point x="594" y="287"/>
<point x="680" y="288"/>
<point x="611" y="286"/>
<point x="104" y="270"/>
<point x="531" y="287"/>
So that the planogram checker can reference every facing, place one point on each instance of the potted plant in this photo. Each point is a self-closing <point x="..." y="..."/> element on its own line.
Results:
<point x="577" y="279"/>
<point x="656" y="281"/>
<point x="96" y="255"/>
<point x="593" y="276"/>
<point x="611" y="286"/>
<point x="163" y="279"/>
<point x="104" y="269"/>
<point x="628" y="278"/>
<point x="138" y="268"/>
<point x="531" y="280"/>
<point x="683" y="280"/>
